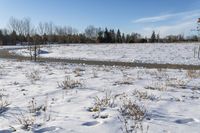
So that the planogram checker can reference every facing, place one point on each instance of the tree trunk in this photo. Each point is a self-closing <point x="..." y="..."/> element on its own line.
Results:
<point x="35" y="51"/>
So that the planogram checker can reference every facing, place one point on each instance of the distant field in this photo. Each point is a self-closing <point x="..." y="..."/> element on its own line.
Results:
<point x="145" y="53"/>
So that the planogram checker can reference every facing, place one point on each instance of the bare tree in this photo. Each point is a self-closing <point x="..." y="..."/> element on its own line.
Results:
<point x="41" y="28"/>
<point x="91" y="32"/>
<point x="17" y="26"/>
<point x="26" y="26"/>
<point x="27" y="30"/>
<point x="60" y="30"/>
<point x="41" y="31"/>
<point x="14" y="25"/>
<point x="198" y="28"/>
<point x="20" y="26"/>
<point x="36" y="44"/>
<point x="49" y="29"/>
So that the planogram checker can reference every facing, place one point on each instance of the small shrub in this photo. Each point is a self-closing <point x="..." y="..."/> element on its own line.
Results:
<point x="144" y="96"/>
<point x="27" y="122"/>
<point x="193" y="74"/>
<point x="140" y="73"/>
<point x="132" y="116"/>
<point x="33" y="107"/>
<point x="2" y="71"/>
<point x="3" y="105"/>
<point x="3" y="101"/>
<point x="36" y="109"/>
<point x="78" y="72"/>
<point x="133" y="111"/>
<point x="69" y="83"/>
<point x="125" y="81"/>
<point x="101" y="103"/>
<point x="94" y="72"/>
<point x="157" y="86"/>
<point x="33" y="76"/>
<point x="177" y="83"/>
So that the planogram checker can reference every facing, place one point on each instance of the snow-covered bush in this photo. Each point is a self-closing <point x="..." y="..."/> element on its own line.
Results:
<point x="193" y="74"/>
<point x="159" y="86"/>
<point x="69" y="83"/>
<point x="27" y="122"/>
<point x="33" y="76"/>
<point x="101" y="103"/>
<point x="144" y="95"/>
<point x="33" y="115"/>
<point x="94" y="72"/>
<point x="78" y="72"/>
<point x="3" y="101"/>
<point x="132" y="115"/>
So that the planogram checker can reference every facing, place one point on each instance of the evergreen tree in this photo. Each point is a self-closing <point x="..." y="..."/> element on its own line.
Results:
<point x="158" y="38"/>
<point x="45" y="38"/>
<point x="153" y="37"/>
<point x="100" y="38"/>
<point x="119" y="37"/>
<point x="123" y="38"/>
<point x="1" y="37"/>
<point x="107" y="37"/>
<point x="127" y="38"/>
<point x="13" y="38"/>
<point x="113" y="36"/>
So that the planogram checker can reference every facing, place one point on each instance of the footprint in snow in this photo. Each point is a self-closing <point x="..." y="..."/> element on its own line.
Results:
<point x="92" y="123"/>
<point x="5" y="131"/>
<point x="185" y="121"/>
<point x="48" y="129"/>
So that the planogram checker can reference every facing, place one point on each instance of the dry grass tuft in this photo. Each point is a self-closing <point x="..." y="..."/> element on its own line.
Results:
<point x="4" y="103"/>
<point x="144" y="96"/>
<point x="33" y="76"/>
<point x="69" y="83"/>
<point x="78" y="72"/>
<point x="27" y="122"/>
<point x="193" y="74"/>
<point x="132" y="116"/>
<point x="157" y="86"/>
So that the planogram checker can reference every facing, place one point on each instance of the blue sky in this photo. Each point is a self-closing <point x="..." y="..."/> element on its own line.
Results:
<point x="142" y="16"/>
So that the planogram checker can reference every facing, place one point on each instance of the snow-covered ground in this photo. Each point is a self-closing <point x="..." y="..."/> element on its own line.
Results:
<point x="11" y="47"/>
<point x="34" y="92"/>
<point x="148" y="53"/>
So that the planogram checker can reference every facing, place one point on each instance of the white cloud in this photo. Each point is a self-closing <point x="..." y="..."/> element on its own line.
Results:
<point x="153" y="19"/>
<point x="180" y="28"/>
<point x="172" y="24"/>
<point x="159" y="18"/>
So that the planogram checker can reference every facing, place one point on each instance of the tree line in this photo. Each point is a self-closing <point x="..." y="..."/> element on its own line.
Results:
<point x="21" y="31"/>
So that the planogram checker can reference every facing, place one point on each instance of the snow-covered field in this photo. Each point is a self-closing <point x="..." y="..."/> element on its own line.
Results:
<point x="148" y="53"/>
<point x="93" y="98"/>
